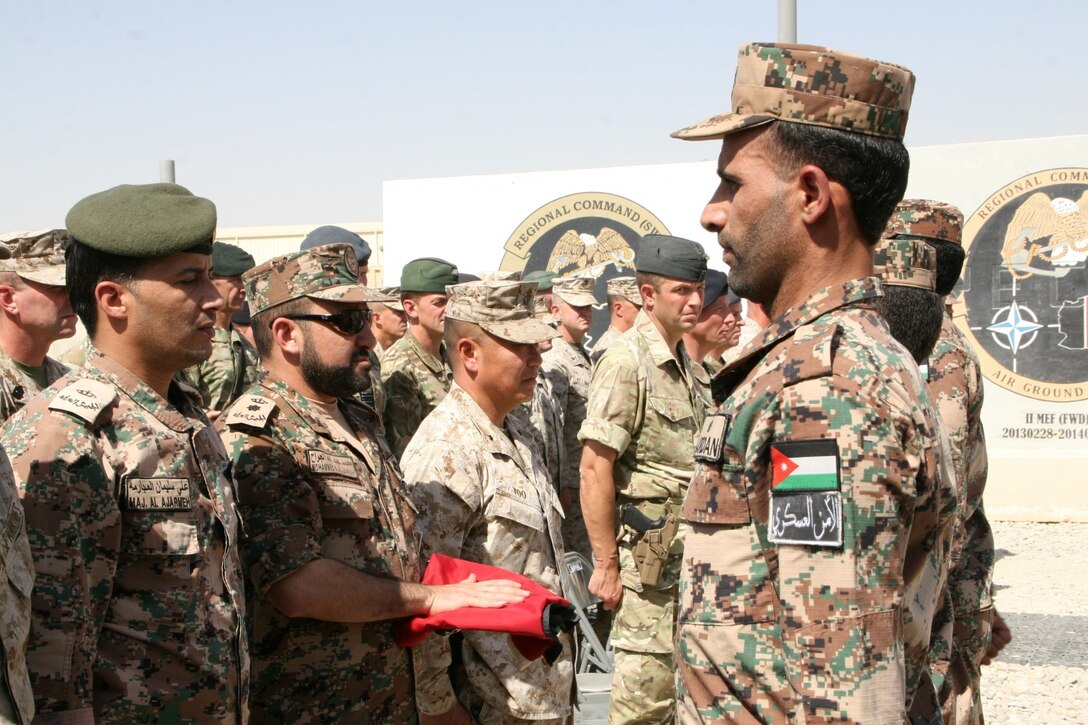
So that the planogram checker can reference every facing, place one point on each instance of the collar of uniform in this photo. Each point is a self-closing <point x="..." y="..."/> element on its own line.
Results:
<point x="573" y="351"/>
<point x="221" y="335"/>
<point x="128" y="384"/>
<point x="434" y="364"/>
<point x="496" y="439"/>
<point x="659" y="350"/>
<point x="816" y="306"/>
<point x="313" y="416"/>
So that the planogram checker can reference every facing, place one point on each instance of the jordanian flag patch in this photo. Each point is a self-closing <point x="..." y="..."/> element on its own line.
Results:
<point x="805" y="466"/>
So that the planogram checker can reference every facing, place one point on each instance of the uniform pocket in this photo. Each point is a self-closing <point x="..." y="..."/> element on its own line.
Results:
<point x="345" y="500"/>
<point x="506" y="505"/>
<point x="674" y="409"/>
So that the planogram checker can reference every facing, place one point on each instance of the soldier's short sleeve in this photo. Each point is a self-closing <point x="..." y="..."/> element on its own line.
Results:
<point x="280" y="511"/>
<point x="615" y="399"/>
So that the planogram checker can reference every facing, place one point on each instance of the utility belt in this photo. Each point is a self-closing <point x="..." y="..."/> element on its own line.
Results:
<point x="649" y="527"/>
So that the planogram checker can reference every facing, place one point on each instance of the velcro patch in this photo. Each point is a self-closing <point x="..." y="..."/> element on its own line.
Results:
<point x="813" y="518"/>
<point x="326" y="463"/>
<point x="252" y="410"/>
<point x="84" y="398"/>
<point x="156" y="494"/>
<point x="811" y="465"/>
<point x="709" y="442"/>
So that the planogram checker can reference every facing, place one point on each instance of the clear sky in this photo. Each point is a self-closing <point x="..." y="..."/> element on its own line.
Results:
<point x="296" y="112"/>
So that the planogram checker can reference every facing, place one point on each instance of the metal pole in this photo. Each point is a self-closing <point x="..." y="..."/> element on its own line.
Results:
<point x="166" y="171"/>
<point x="787" y="21"/>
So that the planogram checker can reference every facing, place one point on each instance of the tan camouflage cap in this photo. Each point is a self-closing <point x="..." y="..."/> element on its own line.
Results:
<point x="324" y="273"/>
<point x="906" y="262"/>
<point x="36" y="255"/>
<point x="812" y="85"/>
<point x="575" y="291"/>
<point x="393" y="293"/>
<point x="625" y="287"/>
<point x="929" y="219"/>
<point x="505" y="309"/>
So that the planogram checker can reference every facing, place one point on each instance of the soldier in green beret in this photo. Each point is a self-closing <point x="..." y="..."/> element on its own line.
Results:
<point x="233" y="365"/>
<point x="544" y="279"/>
<point x="138" y="602"/>
<point x="415" y="370"/>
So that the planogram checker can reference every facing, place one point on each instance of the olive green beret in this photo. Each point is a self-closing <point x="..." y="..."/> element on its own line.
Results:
<point x="543" y="279"/>
<point x="148" y="220"/>
<point x="230" y="261"/>
<point x="429" y="274"/>
<point x="671" y="257"/>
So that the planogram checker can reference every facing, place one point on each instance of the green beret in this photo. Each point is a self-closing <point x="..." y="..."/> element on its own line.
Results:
<point x="543" y="279"/>
<point x="149" y="220"/>
<point x="429" y="274"/>
<point x="230" y="261"/>
<point x="671" y="257"/>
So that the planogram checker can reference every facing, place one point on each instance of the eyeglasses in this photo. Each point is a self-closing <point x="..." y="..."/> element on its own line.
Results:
<point x="346" y="322"/>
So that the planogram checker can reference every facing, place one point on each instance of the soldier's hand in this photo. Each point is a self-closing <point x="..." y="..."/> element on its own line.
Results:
<point x="605" y="583"/>
<point x="456" y="716"/>
<point x="1001" y="635"/>
<point x="471" y="593"/>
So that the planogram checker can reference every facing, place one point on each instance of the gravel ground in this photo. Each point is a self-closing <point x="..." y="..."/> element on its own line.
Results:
<point x="1041" y="589"/>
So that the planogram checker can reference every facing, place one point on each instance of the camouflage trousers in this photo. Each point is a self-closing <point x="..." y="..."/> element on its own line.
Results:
<point x="643" y="688"/>
<point x="960" y="694"/>
<point x="483" y="713"/>
<point x="575" y="537"/>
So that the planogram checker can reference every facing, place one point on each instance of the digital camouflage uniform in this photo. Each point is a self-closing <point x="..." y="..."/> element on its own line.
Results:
<point x="482" y="495"/>
<point x="16" y="387"/>
<point x="232" y="367"/>
<point x="646" y="402"/>
<point x="787" y="631"/>
<point x="374" y="396"/>
<point x="564" y="382"/>
<point x="16" y="698"/>
<point x="415" y="382"/>
<point x="308" y="491"/>
<point x="138" y="601"/>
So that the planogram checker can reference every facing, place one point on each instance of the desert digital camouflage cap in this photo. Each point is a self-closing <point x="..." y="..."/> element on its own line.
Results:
<point x="327" y="272"/>
<point x="393" y="293"/>
<point x="717" y="284"/>
<point x="625" y="287"/>
<point x="812" y="85"/>
<point x="230" y="261"/>
<point x="330" y="234"/>
<point x="143" y="220"/>
<point x="428" y="274"/>
<point x="929" y="219"/>
<point x="35" y="255"/>
<point x="904" y="262"/>
<point x="505" y="309"/>
<point x="543" y="279"/>
<point x="671" y="257"/>
<point x="575" y="291"/>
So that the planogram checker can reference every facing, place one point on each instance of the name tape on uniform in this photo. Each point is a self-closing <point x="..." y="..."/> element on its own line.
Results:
<point x="156" y="494"/>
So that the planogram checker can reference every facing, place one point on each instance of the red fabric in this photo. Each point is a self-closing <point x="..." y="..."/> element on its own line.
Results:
<point x="523" y="620"/>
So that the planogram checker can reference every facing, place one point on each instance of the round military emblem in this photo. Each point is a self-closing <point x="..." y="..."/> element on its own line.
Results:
<point x="589" y="233"/>
<point x="1025" y="285"/>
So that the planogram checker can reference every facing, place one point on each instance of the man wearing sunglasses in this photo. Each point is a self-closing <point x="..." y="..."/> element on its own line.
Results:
<point x="330" y="550"/>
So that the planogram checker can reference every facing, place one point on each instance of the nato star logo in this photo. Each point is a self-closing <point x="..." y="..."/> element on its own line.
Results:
<point x="1014" y="328"/>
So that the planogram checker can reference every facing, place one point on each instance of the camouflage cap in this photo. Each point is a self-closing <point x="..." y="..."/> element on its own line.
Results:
<point x="143" y="220"/>
<point x="575" y="291"/>
<point x="625" y="287"/>
<point x="504" y="309"/>
<point x="498" y="275"/>
<point x="543" y="278"/>
<point x="230" y="261"/>
<point x="812" y="85"/>
<point x="36" y="255"/>
<point x="393" y="293"/>
<point x="428" y="274"/>
<point x="672" y="257"/>
<point x="330" y="234"/>
<point x="929" y="219"/>
<point x="903" y="262"/>
<point x="328" y="272"/>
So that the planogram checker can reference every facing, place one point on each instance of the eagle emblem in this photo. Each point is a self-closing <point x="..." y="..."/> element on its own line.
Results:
<point x="1053" y="232"/>
<point x="589" y="255"/>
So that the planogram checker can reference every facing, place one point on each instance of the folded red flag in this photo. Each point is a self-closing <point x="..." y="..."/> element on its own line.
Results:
<point x="532" y="623"/>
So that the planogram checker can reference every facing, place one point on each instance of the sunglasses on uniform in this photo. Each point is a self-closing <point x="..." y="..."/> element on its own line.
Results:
<point x="346" y="322"/>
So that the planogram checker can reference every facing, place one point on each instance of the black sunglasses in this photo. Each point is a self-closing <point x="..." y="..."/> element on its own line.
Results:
<point x="346" y="322"/>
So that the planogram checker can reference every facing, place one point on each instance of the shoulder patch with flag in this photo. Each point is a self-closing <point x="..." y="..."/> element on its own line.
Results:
<point x="805" y="466"/>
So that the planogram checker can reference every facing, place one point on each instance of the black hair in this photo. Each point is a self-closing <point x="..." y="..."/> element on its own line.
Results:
<point x="914" y="317"/>
<point x="950" y="258"/>
<point x="872" y="169"/>
<point x="262" y="322"/>
<point x="85" y="267"/>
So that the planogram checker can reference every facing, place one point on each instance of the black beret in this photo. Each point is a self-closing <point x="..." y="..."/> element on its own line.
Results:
<point x="717" y="283"/>
<point x="671" y="257"/>
<point x="330" y="234"/>
<point x="230" y="261"/>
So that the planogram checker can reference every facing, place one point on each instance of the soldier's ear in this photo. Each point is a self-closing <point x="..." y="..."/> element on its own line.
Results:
<point x="7" y="299"/>
<point x="812" y="193"/>
<point x="287" y="335"/>
<point x="468" y="351"/>
<point x="112" y="299"/>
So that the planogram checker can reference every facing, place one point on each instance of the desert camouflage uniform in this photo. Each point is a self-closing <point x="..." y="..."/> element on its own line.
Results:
<point x="564" y="383"/>
<point x="227" y="373"/>
<point x="483" y="496"/>
<point x="138" y="603"/>
<point x="647" y="404"/>
<point x="955" y="386"/>
<point x="787" y="632"/>
<point x="17" y="573"/>
<point x="601" y="343"/>
<point x="307" y="491"/>
<point x="415" y="382"/>
<point x="16" y="387"/>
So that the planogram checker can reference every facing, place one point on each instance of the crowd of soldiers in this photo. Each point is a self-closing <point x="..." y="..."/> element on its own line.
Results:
<point x="224" y="511"/>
